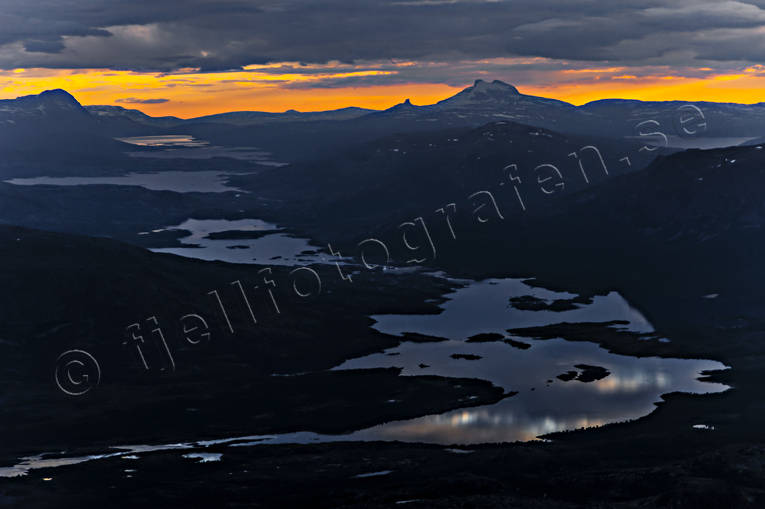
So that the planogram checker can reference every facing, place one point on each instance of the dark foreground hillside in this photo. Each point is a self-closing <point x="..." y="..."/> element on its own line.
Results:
<point x="681" y="239"/>
<point x="66" y="292"/>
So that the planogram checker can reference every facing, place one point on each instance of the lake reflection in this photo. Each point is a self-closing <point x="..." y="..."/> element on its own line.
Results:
<point x="544" y="403"/>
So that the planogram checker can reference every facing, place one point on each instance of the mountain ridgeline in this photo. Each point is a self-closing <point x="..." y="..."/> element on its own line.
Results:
<point x="403" y="176"/>
<point x="54" y="121"/>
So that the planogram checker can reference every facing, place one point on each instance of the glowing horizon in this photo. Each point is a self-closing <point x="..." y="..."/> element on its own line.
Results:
<point x="188" y="93"/>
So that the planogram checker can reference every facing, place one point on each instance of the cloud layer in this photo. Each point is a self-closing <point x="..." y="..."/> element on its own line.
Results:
<point x="135" y="100"/>
<point x="167" y="35"/>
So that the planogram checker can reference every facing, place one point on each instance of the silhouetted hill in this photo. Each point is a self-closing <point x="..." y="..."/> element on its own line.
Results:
<point x="689" y="224"/>
<point x="294" y="136"/>
<point x="402" y="176"/>
<point x="485" y="102"/>
<point x="679" y="123"/>
<point x="244" y="118"/>
<point x="52" y="130"/>
<point x="695" y="198"/>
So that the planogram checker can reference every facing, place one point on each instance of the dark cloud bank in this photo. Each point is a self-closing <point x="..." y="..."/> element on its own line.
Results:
<point x="167" y="35"/>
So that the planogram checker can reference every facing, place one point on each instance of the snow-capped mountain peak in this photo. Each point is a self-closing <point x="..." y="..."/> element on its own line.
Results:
<point x="496" y="86"/>
<point x="482" y="92"/>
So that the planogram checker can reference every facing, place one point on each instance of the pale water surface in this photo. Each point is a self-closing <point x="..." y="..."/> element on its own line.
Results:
<point x="543" y="403"/>
<point x="179" y="181"/>
<point x="273" y="248"/>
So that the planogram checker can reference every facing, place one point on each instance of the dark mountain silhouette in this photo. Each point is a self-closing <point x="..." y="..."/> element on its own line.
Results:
<point x="244" y="118"/>
<point x="695" y="196"/>
<point x="674" y="123"/>
<point x="379" y="183"/>
<point x="57" y="118"/>
<point x="236" y="118"/>
<point x="681" y="117"/>
<point x="484" y="102"/>
<point x="491" y="101"/>
<point x="51" y="104"/>
<point x="500" y="101"/>
<point x="59" y="110"/>
<point x="50" y="132"/>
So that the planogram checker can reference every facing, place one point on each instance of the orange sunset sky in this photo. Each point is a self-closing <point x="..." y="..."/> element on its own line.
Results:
<point x="196" y="57"/>
<point x="189" y="93"/>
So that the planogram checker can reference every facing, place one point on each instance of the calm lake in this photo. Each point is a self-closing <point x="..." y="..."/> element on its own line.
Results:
<point x="269" y="245"/>
<point x="546" y="401"/>
<point x="184" y="146"/>
<point x="543" y="404"/>
<point x="179" y="181"/>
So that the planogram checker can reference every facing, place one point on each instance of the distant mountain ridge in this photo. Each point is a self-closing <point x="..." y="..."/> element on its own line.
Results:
<point x="259" y="117"/>
<point x="294" y="136"/>
<point x="478" y="104"/>
<point x="486" y="101"/>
